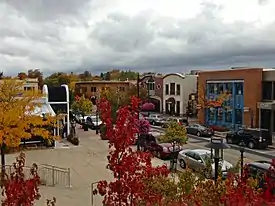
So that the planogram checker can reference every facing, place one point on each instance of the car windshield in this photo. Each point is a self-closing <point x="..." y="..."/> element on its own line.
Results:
<point x="206" y="156"/>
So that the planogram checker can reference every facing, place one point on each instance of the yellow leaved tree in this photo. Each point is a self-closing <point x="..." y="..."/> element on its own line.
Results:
<point x="174" y="132"/>
<point x="82" y="105"/>
<point x="20" y="113"/>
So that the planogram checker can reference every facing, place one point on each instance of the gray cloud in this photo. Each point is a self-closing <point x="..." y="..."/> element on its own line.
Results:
<point x="73" y="36"/>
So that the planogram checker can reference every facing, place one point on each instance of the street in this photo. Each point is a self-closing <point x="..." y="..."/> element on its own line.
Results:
<point x="87" y="163"/>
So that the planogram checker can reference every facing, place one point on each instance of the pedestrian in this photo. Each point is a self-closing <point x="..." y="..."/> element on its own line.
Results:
<point x="64" y="131"/>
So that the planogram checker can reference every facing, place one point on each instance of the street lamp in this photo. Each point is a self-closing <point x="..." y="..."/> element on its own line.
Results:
<point x="218" y="145"/>
<point x="150" y="81"/>
<point x="138" y="136"/>
<point x="242" y="150"/>
<point x="96" y="116"/>
<point x="173" y="161"/>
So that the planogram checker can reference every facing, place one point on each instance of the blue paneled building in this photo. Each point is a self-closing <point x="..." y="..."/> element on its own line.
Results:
<point x="231" y="114"/>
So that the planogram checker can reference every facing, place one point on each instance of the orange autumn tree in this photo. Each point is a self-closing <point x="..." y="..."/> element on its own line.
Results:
<point x="20" y="113"/>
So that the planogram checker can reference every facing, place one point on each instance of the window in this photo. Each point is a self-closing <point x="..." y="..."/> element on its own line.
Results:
<point x="228" y="88"/>
<point x="238" y="116"/>
<point x="211" y="114"/>
<point x="151" y="85"/>
<point x="83" y="90"/>
<point x="239" y="88"/>
<point x="220" y="88"/>
<point x="93" y="89"/>
<point x="267" y="90"/>
<point x="228" y="116"/>
<point x="122" y="89"/>
<point x="211" y="88"/>
<point x="220" y="114"/>
<point x="189" y="154"/>
<point x="178" y="89"/>
<point x="172" y="88"/>
<point x="167" y="89"/>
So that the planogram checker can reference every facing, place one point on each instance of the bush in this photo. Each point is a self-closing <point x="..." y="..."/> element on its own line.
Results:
<point x="219" y="128"/>
<point x="174" y="132"/>
<point x="103" y="131"/>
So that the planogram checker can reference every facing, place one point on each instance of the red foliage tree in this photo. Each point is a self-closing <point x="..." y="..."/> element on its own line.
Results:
<point x="148" y="106"/>
<point x="19" y="190"/>
<point x="129" y="167"/>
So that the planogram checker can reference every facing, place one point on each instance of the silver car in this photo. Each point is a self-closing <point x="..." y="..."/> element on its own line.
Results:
<point x="196" y="159"/>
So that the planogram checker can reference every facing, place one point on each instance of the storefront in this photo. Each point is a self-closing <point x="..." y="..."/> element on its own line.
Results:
<point x="231" y="112"/>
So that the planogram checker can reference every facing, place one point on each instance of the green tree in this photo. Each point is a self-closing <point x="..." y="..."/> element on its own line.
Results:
<point x="36" y="73"/>
<point x="175" y="132"/>
<point x="82" y="105"/>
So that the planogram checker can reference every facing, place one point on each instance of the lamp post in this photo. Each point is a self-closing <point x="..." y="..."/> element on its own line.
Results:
<point x="173" y="161"/>
<point x="149" y="82"/>
<point x="138" y="135"/>
<point x="218" y="145"/>
<point x="242" y="150"/>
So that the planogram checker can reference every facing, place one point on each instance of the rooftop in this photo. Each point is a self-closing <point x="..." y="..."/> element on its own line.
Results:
<point x="103" y="82"/>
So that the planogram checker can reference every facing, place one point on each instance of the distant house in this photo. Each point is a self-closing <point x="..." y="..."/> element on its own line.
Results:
<point x="177" y="88"/>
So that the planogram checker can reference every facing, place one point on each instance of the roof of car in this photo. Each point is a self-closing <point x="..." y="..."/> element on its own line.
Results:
<point x="201" y="151"/>
<point x="261" y="164"/>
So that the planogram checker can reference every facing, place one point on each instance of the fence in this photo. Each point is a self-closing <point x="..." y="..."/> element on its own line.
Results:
<point x="50" y="175"/>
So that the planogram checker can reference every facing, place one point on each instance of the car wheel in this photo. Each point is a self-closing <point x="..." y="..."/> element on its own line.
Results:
<point x="182" y="164"/>
<point x="198" y="134"/>
<point x="251" y="145"/>
<point x="229" y="140"/>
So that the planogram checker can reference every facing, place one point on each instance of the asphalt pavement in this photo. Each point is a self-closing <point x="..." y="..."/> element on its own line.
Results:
<point x="232" y="155"/>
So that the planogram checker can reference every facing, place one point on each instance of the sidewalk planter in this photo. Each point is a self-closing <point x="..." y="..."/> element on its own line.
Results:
<point x="73" y="139"/>
<point x="85" y="127"/>
<point x="103" y="133"/>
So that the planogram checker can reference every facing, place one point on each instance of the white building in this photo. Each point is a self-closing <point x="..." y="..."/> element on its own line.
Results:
<point x="176" y="90"/>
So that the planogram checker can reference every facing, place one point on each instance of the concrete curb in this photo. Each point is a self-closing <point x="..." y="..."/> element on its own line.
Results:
<point x="235" y="147"/>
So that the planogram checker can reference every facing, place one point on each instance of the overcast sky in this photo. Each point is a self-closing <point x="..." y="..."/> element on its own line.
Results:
<point x="144" y="35"/>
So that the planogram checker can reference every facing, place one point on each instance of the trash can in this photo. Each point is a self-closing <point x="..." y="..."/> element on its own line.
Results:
<point x="85" y="127"/>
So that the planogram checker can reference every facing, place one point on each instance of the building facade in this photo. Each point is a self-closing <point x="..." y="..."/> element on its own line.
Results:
<point x="266" y="107"/>
<point x="242" y="88"/>
<point x="94" y="88"/>
<point x="154" y="85"/>
<point x="177" y="88"/>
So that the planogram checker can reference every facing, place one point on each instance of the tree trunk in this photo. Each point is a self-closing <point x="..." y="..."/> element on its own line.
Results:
<point x="3" y="162"/>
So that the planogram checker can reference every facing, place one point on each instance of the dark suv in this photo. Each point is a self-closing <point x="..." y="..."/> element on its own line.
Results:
<point x="252" y="137"/>
<point x="258" y="170"/>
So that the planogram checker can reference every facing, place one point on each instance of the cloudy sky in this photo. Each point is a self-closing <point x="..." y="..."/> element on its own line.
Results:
<point x="144" y="35"/>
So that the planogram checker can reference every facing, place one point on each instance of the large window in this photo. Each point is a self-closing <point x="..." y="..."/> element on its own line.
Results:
<point x="267" y="90"/>
<point x="220" y="114"/>
<point x="178" y="89"/>
<point x="228" y="87"/>
<point x="150" y="85"/>
<point x="238" y="116"/>
<point x="93" y="89"/>
<point x="211" y="114"/>
<point x="211" y="88"/>
<point x="228" y="116"/>
<point x="239" y="88"/>
<point x="220" y="88"/>
<point x="167" y="89"/>
<point x="172" y="88"/>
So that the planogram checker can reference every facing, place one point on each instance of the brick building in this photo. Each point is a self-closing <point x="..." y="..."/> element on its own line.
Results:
<point x="154" y="85"/>
<point x="245" y="87"/>
<point x="94" y="88"/>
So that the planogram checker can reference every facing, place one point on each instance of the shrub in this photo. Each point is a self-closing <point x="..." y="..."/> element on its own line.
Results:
<point x="174" y="132"/>
<point x="148" y="106"/>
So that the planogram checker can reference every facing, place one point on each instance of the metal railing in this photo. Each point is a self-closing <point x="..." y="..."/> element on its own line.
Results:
<point x="50" y="175"/>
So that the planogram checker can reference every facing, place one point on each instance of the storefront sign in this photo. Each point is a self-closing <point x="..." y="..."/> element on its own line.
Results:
<point x="265" y="105"/>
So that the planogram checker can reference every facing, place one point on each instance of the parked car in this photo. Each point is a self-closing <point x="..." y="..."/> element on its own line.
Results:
<point x="155" y="119"/>
<point x="93" y="122"/>
<point x="258" y="170"/>
<point x="181" y="121"/>
<point x="196" y="159"/>
<point x="199" y="130"/>
<point x="251" y="137"/>
<point x="149" y="142"/>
